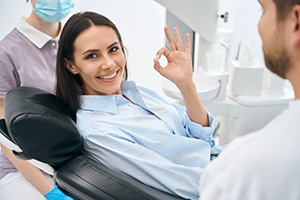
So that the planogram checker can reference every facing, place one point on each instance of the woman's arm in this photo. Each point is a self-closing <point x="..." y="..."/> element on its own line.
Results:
<point x="179" y="71"/>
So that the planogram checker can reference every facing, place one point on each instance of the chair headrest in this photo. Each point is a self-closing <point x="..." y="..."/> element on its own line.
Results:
<point x="40" y="123"/>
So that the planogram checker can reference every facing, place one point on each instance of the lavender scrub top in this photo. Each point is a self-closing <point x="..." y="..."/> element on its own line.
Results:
<point x="27" y="58"/>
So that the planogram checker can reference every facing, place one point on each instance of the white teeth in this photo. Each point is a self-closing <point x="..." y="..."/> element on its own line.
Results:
<point x="108" y="77"/>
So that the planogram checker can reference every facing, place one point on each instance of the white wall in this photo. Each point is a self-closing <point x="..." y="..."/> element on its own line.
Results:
<point x="10" y="12"/>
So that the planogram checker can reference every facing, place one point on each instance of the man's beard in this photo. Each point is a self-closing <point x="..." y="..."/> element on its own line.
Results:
<point x="276" y="56"/>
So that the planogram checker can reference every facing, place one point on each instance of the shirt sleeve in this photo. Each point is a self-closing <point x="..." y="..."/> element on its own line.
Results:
<point x="191" y="129"/>
<point x="196" y="130"/>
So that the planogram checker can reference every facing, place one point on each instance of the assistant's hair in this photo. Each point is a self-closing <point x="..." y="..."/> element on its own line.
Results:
<point x="284" y="6"/>
<point x="69" y="87"/>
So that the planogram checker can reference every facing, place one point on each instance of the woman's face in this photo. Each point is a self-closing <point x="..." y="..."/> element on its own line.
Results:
<point x="99" y="61"/>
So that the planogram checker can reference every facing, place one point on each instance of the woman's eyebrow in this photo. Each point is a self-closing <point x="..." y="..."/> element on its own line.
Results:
<point x="96" y="50"/>
<point x="90" y="51"/>
<point x="113" y="44"/>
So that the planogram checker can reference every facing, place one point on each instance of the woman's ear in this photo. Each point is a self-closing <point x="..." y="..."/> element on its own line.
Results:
<point x="71" y="67"/>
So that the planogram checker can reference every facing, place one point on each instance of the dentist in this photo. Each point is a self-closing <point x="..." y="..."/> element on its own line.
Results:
<point x="265" y="165"/>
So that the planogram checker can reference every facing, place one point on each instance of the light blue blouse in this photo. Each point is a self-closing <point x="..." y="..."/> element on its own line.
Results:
<point x="151" y="139"/>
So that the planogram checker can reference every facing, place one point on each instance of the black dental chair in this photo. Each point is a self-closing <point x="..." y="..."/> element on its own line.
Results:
<point x="38" y="127"/>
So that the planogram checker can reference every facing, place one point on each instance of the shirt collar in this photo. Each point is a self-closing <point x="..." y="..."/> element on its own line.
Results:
<point x="110" y="103"/>
<point x="37" y="37"/>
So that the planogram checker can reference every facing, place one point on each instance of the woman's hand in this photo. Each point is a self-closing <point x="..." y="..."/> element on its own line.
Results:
<point x="179" y="71"/>
<point x="179" y="67"/>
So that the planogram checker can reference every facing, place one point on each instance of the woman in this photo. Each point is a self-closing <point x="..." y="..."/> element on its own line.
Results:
<point x="128" y="128"/>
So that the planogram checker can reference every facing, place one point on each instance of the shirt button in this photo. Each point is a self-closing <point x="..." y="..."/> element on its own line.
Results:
<point x="53" y="44"/>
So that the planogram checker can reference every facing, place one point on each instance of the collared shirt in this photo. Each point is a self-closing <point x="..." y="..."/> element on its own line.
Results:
<point x="27" y="58"/>
<point x="147" y="138"/>
<point x="263" y="165"/>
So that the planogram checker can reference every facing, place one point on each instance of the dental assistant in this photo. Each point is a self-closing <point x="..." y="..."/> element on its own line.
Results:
<point x="28" y="58"/>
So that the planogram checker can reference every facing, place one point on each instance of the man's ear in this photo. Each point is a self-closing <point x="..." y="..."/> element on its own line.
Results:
<point x="296" y="24"/>
<point x="70" y="66"/>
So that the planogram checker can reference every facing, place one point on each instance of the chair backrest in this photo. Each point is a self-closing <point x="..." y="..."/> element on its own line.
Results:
<point x="41" y="125"/>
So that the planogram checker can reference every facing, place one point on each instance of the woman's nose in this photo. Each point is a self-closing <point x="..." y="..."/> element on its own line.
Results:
<point x="108" y="62"/>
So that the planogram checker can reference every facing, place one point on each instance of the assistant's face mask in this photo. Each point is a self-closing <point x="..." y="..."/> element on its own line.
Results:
<point x="53" y="10"/>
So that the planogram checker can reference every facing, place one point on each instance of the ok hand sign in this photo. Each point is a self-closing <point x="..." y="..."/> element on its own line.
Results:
<point x="179" y="66"/>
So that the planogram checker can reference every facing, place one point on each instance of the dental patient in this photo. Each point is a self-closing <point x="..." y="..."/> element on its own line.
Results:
<point x="132" y="129"/>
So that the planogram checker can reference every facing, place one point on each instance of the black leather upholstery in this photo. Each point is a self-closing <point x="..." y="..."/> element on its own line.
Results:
<point x="41" y="125"/>
<point x="3" y="129"/>
<point x="104" y="183"/>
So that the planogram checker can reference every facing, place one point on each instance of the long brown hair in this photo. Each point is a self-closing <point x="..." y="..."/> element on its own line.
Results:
<point x="69" y="87"/>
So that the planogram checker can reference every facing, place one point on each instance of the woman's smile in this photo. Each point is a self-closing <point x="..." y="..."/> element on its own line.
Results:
<point x="108" y="77"/>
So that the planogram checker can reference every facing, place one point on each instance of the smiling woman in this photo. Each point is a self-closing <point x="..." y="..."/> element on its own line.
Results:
<point x="100" y="63"/>
<point x="132" y="129"/>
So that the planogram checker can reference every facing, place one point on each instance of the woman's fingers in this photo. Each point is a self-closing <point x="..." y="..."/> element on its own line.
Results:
<point x="178" y="42"/>
<point x="157" y="65"/>
<point x="170" y="38"/>
<point x="163" y="51"/>
<point x="187" y="43"/>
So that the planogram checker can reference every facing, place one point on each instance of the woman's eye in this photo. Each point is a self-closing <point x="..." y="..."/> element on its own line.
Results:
<point x="90" y="56"/>
<point x="114" y="49"/>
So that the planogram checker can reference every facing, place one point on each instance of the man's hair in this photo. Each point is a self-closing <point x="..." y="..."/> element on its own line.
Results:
<point x="284" y="6"/>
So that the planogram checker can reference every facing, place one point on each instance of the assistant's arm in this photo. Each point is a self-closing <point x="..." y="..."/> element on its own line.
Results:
<point x="30" y="172"/>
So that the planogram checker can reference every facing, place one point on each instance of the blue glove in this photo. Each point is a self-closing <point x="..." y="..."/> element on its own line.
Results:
<point x="56" y="194"/>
